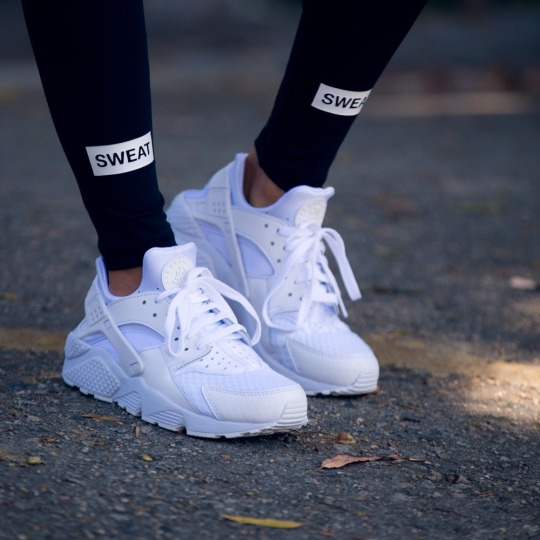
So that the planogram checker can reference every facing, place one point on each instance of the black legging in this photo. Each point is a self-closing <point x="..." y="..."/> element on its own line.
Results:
<point x="343" y="44"/>
<point x="93" y="62"/>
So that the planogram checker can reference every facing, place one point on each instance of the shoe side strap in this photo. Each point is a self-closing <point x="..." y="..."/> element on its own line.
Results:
<point x="97" y="315"/>
<point x="219" y="213"/>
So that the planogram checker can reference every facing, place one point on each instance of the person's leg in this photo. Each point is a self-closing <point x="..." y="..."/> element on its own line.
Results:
<point x="158" y="337"/>
<point x="93" y="63"/>
<point x="258" y="222"/>
<point x="341" y="49"/>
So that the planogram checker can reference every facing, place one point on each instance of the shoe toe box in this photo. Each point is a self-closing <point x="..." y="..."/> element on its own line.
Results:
<point x="257" y="396"/>
<point x="342" y="360"/>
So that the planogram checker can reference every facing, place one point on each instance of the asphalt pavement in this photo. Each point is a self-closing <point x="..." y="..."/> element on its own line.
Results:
<point x="438" y="200"/>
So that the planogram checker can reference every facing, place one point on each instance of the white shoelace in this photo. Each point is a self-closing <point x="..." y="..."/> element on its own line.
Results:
<point x="306" y="245"/>
<point x="198" y="309"/>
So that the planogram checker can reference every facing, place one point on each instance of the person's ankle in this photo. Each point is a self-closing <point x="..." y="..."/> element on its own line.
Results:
<point x="124" y="282"/>
<point x="259" y="190"/>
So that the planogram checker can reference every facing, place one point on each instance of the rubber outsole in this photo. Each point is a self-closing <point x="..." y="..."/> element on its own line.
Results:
<point x="173" y="418"/>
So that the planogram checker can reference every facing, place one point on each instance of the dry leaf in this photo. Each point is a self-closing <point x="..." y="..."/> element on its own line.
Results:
<point x="104" y="418"/>
<point x="34" y="460"/>
<point x="147" y="457"/>
<point x="343" y="459"/>
<point x="8" y="296"/>
<point x="47" y="440"/>
<point x="344" y="438"/>
<point x="274" y="523"/>
<point x="523" y="283"/>
<point x="137" y="431"/>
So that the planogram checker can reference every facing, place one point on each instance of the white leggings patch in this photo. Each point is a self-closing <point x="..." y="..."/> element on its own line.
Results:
<point x="122" y="157"/>
<point x="338" y="101"/>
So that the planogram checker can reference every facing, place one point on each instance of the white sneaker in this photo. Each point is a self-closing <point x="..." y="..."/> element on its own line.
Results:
<point x="174" y="353"/>
<point x="275" y="257"/>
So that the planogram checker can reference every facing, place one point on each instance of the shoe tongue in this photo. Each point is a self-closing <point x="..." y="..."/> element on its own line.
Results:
<point x="167" y="268"/>
<point x="302" y="204"/>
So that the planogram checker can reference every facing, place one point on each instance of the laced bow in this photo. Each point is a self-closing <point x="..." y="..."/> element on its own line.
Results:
<point x="306" y="245"/>
<point x="199" y="311"/>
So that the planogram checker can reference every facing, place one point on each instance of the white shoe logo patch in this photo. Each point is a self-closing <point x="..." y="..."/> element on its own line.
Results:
<point x="312" y="212"/>
<point x="338" y="101"/>
<point x="175" y="271"/>
<point x="122" y="157"/>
